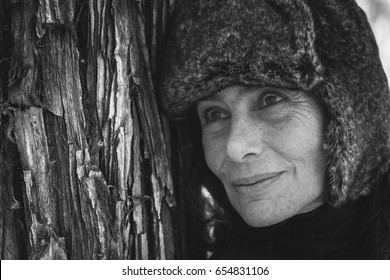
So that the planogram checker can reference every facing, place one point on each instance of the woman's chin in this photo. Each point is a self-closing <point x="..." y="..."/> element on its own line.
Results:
<point x="262" y="222"/>
<point x="264" y="214"/>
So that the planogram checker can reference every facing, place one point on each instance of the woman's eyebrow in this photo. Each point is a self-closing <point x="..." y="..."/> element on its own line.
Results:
<point x="223" y="96"/>
<point x="212" y="97"/>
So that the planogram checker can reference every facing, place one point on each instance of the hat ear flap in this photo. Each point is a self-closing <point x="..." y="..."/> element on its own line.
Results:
<point x="354" y="161"/>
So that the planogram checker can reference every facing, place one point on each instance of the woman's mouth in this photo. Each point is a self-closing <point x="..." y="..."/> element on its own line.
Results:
<point x="254" y="183"/>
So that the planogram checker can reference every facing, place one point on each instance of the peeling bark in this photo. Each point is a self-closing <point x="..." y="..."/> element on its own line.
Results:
<point x="9" y="205"/>
<point x="94" y="149"/>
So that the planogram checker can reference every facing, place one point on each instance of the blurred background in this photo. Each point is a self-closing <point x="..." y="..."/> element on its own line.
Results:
<point x="378" y="13"/>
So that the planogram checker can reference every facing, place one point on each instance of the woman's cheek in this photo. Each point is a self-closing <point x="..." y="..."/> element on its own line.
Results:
<point x="214" y="151"/>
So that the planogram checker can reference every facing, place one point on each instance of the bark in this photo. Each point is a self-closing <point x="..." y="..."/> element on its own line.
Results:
<point x="9" y="205"/>
<point x="83" y="133"/>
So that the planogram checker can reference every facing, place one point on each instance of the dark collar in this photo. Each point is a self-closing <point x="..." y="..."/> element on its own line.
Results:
<point x="324" y="233"/>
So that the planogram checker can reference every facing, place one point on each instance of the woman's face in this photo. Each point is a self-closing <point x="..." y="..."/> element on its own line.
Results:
<point x="265" y="146"/>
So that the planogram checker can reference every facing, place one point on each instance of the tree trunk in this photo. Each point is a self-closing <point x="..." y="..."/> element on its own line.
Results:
<point x="84" y="153"/>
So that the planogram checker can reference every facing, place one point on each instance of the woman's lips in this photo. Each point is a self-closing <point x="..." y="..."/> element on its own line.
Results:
<point x="252" y="183"/>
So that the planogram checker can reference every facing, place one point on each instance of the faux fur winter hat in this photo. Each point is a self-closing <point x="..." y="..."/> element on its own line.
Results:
<point x="323" y="47"/>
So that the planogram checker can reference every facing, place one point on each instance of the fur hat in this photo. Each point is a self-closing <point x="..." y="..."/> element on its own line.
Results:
<point x="323" y="47"/>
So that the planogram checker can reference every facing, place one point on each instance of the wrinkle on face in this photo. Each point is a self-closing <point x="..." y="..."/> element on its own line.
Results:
<point x="286" y="136"/>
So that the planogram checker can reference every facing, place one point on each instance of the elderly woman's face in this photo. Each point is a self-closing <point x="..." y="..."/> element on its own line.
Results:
<point x="264" y="145"/>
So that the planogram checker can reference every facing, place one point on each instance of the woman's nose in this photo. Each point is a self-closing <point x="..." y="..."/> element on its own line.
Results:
<point x="245" y="141"/>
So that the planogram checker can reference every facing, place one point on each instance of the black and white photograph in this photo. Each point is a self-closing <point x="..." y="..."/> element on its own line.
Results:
<point x="204" y="130"/>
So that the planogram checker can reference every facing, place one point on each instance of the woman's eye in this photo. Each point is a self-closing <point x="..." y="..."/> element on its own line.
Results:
<point x="213" y="115"/>
<point x="270" y="99"/>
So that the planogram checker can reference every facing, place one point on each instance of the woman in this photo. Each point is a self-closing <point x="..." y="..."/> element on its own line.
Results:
<point x="293" y="107"/>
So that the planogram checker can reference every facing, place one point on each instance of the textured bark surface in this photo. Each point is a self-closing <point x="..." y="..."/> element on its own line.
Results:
<point x="85" y="167"/>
